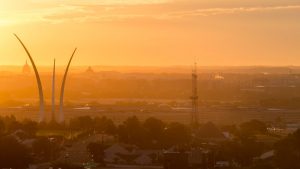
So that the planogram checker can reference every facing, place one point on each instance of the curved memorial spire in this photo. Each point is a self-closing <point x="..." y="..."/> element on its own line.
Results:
<point x="61" y="113"/>
<point x="39" y="83"/>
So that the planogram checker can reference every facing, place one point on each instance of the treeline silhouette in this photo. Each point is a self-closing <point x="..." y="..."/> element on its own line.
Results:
<point x="241" y="149"/>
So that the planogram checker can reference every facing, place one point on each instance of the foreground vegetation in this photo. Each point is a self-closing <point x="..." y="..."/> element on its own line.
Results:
<point x="242" y="148"/>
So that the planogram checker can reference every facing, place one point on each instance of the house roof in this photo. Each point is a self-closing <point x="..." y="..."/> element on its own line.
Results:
<point x="267" y="155"/>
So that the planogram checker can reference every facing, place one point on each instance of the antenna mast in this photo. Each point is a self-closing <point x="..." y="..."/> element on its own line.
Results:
<point x="194" y="97"/>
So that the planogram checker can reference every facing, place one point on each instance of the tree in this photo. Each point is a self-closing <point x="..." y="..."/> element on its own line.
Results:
<point x="248" y="149"/>
<point x="209" y="130"/>
<point x="44" y="149"/>
<point x="2" y="127"/>
<point x="96" y="149"/>
<point x="81" y="123"/>
<point x="105" y="125"/>
<point x="132" y="132"/>
<point x="253" y="127"/>
<point x="287" y="150"/>
<point x="110" y="127"/>
<point x="176" y="134"/>
<point x="241" y="150"/>
<point x="13" y="154"/>
<point x="11" y="124"/>
<point x="30" y="127"/>
<point x="155" y="130"/>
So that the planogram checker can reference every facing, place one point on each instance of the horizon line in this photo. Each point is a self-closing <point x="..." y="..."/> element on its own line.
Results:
<point x="158" y="66"/>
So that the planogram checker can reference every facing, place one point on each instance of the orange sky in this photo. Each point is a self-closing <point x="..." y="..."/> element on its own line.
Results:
<point x="152" y="32"/>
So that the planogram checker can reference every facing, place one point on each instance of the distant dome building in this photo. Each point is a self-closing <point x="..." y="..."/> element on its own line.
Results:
<point x="89" y="70"/>
<point x="26" y="68"/>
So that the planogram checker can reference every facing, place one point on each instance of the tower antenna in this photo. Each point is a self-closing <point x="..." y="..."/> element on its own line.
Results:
<point x="194" y="97"/>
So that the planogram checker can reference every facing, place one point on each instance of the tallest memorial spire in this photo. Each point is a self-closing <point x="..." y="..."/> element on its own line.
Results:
<point x="38" y="79"/>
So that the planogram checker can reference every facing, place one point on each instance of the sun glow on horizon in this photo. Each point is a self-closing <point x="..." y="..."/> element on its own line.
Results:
<point x="153" y="32"/>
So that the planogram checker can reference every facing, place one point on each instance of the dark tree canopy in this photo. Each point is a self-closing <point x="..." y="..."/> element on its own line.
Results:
<point x="154" y="129"/>
<point x="176" y="134"/>
<point x="209" y="130"/>
<point x="13" y="154"/>
<point x="106" y="125"/>
<point x="96" y="149"/>
<point x="288" y="152"/>
<point x="44" y="149"/>
<point x="253" y="127"/>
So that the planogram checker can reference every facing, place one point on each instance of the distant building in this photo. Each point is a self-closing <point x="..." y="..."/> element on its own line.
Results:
<point x="26" y="68"/>
<point x="130" y="154"/>
<point x="219" y="77"/>
<point x="112" y="152"/>
<point x="144" y="159"/>
<point x="89" y="70"/>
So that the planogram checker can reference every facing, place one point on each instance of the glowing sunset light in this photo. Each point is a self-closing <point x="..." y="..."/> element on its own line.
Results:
<point x="141" y="32"/>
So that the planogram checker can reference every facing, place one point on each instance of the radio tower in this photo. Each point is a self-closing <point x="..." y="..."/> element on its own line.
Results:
<point x="194" y="97"/>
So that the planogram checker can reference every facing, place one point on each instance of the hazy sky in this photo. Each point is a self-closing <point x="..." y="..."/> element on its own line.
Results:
<point x="152" y="32"/>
